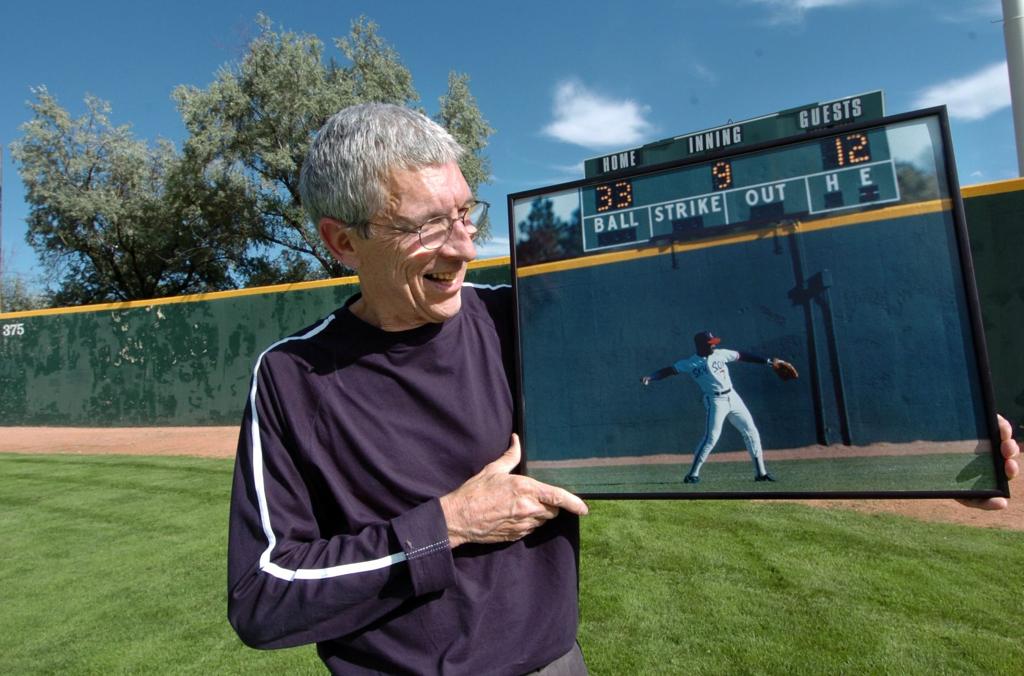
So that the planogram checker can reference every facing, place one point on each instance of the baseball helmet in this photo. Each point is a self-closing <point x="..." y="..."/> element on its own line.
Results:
<point x="705" y="342"/>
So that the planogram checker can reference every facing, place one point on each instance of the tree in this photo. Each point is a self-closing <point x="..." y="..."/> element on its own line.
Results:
<point x="916" y="184"/>
<point x="254" y="123"/>
<point x="461" y="117"/>
<point x="17" y="296"/>
<point x="544" y="236"/>
<point x="111" y="216"/>
<point x="119" y="219"/>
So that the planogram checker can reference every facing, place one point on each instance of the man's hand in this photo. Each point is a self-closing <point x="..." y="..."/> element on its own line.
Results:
<point x="646" y="380"/>
<point x="1010" y="450"/>
<point x="496" y="506"/>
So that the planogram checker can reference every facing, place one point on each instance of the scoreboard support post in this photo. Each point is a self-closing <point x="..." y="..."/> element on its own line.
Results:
<point x="1013" y="34"/>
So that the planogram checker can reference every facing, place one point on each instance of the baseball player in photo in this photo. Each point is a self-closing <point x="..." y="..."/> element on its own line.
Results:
<point x="708" y="369"/>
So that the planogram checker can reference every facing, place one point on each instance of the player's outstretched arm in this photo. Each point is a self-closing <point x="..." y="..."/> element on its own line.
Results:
<point x="659" y="374"/>
<point x="498" y="506"/>
<point x="1010" y="451"/>
<point x="782" y="368"/>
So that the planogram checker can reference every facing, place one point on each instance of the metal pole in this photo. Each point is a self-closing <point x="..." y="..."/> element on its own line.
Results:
<point x="1013" y="33"/>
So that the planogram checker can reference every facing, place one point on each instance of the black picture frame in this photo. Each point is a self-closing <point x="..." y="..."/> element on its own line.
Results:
<point x="867" y="288"/>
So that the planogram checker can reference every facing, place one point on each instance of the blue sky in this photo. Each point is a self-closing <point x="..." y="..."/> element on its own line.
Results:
<point x="559" y="81"/>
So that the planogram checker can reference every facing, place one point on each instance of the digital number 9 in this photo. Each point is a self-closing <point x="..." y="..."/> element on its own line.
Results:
<point x="721" y="175"/>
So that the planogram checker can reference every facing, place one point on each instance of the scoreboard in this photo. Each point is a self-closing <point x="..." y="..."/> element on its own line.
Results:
<point x="828" y="172"/>
<point x="834" y="173"/>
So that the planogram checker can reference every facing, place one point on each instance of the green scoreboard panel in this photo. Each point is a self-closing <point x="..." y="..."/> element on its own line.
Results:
<point x="835" y="173"/>
<point x="734" y="135"/>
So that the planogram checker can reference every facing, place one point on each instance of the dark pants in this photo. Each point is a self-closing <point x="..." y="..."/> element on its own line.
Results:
<point x="569" y="664"/>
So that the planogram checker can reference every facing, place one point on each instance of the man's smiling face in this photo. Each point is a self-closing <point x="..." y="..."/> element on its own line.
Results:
<point x="405" y="285"/>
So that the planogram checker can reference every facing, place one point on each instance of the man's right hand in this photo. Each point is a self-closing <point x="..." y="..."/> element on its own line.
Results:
<point x="497" y="506"/>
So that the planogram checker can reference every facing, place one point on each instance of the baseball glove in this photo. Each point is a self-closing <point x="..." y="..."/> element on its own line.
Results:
<point x="784" y="370"/>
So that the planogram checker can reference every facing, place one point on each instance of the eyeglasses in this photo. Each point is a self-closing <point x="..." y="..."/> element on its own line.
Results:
<point x="435" y="232"/>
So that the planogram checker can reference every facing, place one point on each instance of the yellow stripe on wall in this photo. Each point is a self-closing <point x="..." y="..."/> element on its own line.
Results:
<point x="218" y="295"/>
<point x="993" y="188"/>
<point x="901" y="211"/>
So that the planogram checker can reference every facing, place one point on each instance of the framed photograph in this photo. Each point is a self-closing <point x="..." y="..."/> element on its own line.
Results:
<point x="796" y="319"/>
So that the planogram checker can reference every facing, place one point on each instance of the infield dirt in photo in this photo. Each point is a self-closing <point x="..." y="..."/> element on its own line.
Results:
<point x="817" y="452"/>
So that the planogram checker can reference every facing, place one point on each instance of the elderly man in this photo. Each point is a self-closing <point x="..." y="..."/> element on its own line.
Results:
<point x="374" y="511"/>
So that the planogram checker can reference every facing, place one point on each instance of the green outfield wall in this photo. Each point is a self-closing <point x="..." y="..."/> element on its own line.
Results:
<point x="188" y="360"/>
<point x="872" y="315"/>
<point x="176" y="361"/>
<point x="995" y="220"/>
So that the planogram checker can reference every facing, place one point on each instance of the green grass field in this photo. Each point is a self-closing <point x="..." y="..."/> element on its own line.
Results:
<point x="115" y="564"/>
<point x="935" y="472"/>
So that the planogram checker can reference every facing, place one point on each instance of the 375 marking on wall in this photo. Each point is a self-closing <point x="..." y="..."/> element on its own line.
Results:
<point x="11" y="330"/>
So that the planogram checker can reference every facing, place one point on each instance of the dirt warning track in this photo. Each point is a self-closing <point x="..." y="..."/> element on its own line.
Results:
<point x="221" y="442"/>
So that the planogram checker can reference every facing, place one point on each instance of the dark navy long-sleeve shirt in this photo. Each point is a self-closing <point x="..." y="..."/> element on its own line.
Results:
<point x="350" y="436"/>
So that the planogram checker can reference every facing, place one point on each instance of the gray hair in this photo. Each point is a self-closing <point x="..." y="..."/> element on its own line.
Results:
<point x="348" y="166"/>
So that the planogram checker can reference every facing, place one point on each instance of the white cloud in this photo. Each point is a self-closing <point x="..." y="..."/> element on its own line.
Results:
<point x="972" y="97"/>
<point x="495" y="246"/>
<point x="914" y="142"/>
<point x="968" y="11"/>
<point x="809" y="4"/>
<point x="591" y="120"/>
<point x="792" y="11"/>
<point x="573" y="170"/>
<point x="704" y="73"/>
